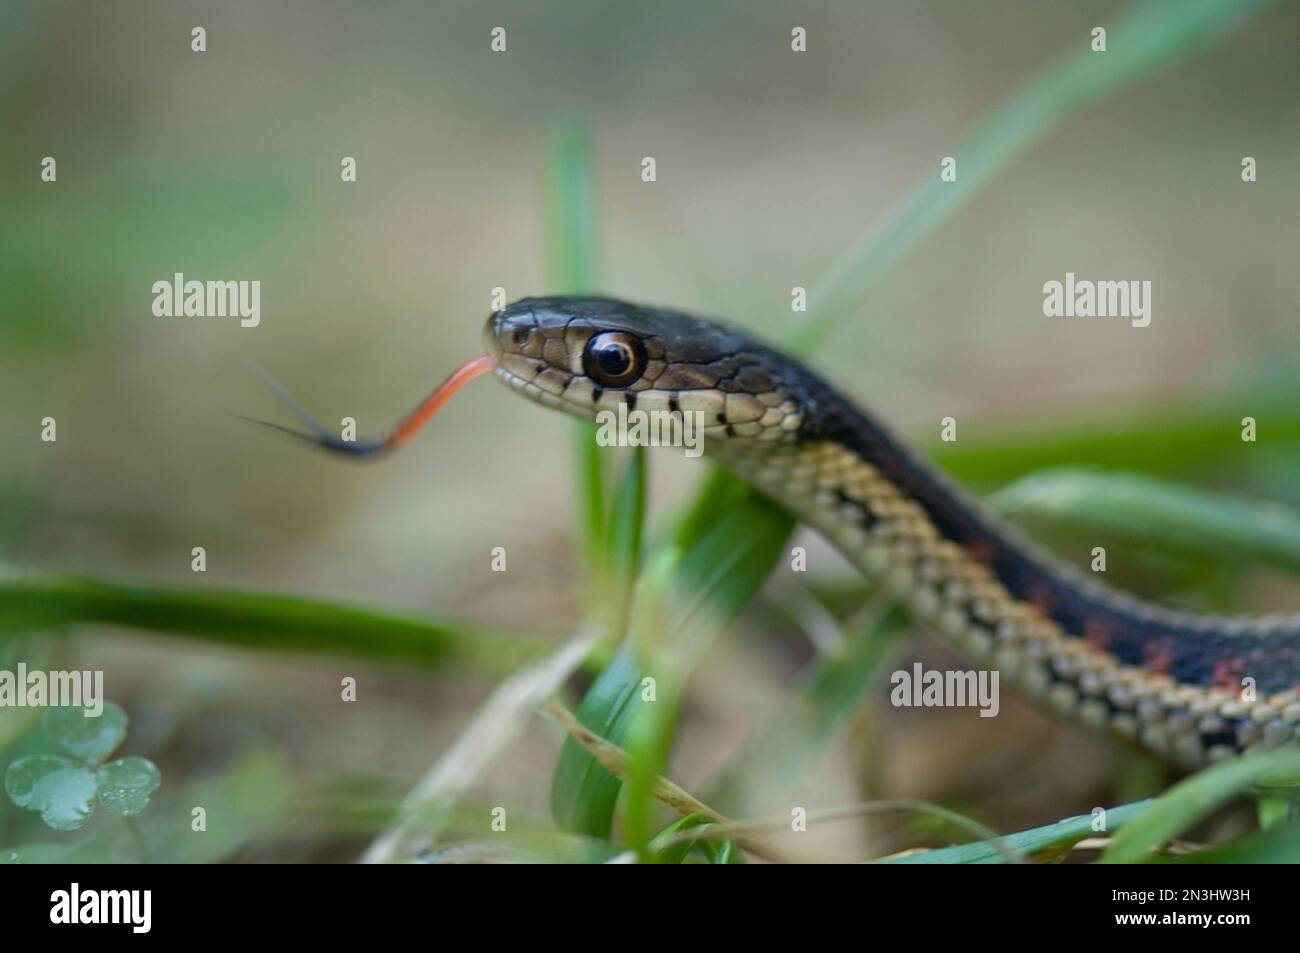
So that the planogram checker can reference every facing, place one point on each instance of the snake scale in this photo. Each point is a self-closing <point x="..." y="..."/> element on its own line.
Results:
<point x="1167" y="680"/>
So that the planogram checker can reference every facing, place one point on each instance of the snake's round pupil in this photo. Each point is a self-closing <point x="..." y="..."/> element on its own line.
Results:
<point x="614" y="358"/>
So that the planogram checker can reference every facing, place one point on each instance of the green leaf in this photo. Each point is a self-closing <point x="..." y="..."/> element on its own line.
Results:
<point x="723" y="852"/>
<point x="1278" y="846"/>
<point x="61" y="791"/>
<point x="719" y="574"/>
<point x="1275" y="811"/>
<point x="572" y="233"/>
<point x="88" y="739"/>
<point x="1155" y="511"/>
<point x="711" y="583"/>
<point x="664" y="853"/>
<point x="718" y="491"/>
<point x="649" y="746"/>
<point x="727" y="565"/>
<point x="592" y="464"/>
<point x="22" y="776"/>
<point x="126" y="784"/>
<point x="623" y="549"/>
<point x="573" y="246"/>
<point x="583" y="793"/>
<point x="1060" y="834"/>
<point x="1195" y="798"/>
<point x="257" y="620"/>
<point x="715" y="851"/>
<point x="1165" y="439"/>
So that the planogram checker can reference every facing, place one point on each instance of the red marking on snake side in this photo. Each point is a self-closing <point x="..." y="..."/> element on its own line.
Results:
<point x="1098" y="635"/>
<point x="1041" y="599"/>
<point x="1158" y="655"/>
<point x="1227" y="673"/>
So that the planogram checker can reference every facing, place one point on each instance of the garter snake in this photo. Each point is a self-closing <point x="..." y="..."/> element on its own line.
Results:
<point x="1170" y="681"/>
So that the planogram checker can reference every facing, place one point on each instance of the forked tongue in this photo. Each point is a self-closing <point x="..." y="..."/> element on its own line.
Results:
<point x="321" y="436"/>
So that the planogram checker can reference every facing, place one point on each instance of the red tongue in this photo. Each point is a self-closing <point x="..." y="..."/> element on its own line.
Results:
<point x="438" y="399"/>
<point x="322" y="436"/>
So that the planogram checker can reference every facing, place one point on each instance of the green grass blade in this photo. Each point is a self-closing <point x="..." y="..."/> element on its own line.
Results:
<point x="572" y="240"/>
<point x="650" y="741"/>
<point x="1161" y="441"/>
<point x="573" y="244"/>
<point x="592" y="469"/>
<point x="653" y="725"/>
<point x="719" y="490"/>
<point x="623" y="547"/>
<point x="31" y="602"/>
<point x="583" y="793"/>
<point x="1059" y="836"/>
<point x="1147" y="37"/>
<point x="718" y="574"/>
<point x="1195" y="798"/>
<point x="1280" y="846"/>
<point x="714" y="580"/>
<point x="1276" y="810"/>
<point x="715" y="851"/>
<point x="726" y="566"/>
<point x="1149" y="510"/>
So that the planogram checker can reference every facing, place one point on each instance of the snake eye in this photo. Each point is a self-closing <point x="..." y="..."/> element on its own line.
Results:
<point x="614" y="358"/>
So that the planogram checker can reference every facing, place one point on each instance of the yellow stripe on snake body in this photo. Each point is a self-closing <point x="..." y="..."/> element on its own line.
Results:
<point x="1169" y="681"/>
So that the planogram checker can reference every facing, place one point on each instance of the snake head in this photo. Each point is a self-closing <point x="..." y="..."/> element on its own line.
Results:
<point x="588" y="355"/>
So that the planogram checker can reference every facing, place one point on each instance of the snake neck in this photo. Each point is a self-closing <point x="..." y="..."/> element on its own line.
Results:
<point x="1190" y="689"/>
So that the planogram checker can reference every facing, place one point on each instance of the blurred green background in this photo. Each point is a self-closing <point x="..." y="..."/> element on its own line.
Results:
<point x="225" y="165"/>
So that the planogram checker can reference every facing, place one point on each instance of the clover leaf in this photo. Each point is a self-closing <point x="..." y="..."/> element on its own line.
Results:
<point x="63" y="789"/>
<point x="85" y="738"/>
<point x="125" y="785"/>
<point x="63" y="792"/>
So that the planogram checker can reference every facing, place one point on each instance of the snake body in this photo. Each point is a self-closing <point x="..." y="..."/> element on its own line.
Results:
<point x="1189" y="688"/>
